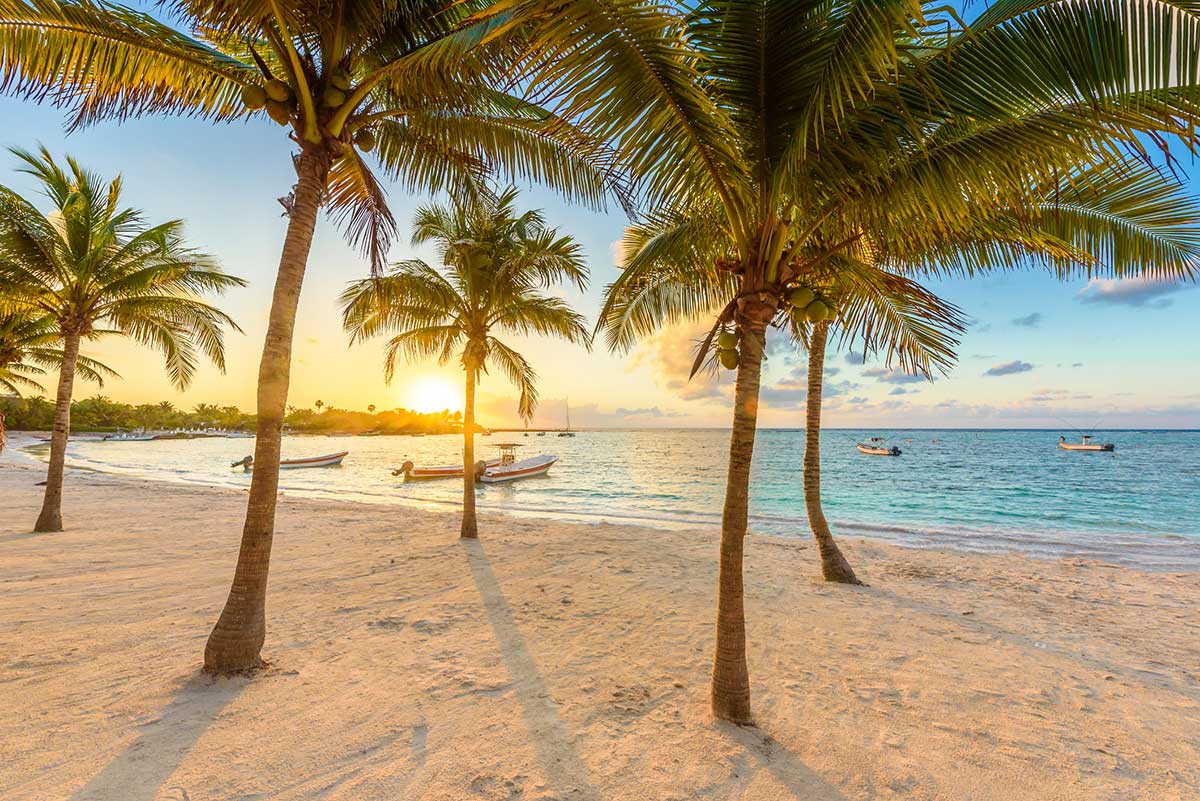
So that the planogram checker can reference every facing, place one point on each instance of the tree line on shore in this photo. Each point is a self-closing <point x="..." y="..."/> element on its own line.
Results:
<point x="101" y="414"/>
<point x="802" y="166"/>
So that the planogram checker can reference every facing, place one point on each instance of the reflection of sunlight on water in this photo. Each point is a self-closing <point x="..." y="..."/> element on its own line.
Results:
<point x="995" y="490"/>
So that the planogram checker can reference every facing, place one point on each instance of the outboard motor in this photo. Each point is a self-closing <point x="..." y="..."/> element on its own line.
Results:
<point x="245" y="464"/>
<point x="404" y="469"/>
<point x="480" y="468"/>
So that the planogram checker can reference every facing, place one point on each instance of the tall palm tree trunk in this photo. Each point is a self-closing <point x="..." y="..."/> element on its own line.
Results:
<point x="50" y="518"/>
<point x="730" y="694"/>
<point x="833" y="564"/>
<point x="470" y="529"/>
<point x="236" y="641"/>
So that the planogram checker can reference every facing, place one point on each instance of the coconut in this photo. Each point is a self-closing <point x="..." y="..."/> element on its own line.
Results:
<point x="817" y="312"/>
<point x="340" y="79"/>
<point x="278" y="90"/>
<point x="801" y="296"/>
<point x="333" y="97"/>
<point x="278" y="111"/>
<point x="728" y="358"/>
<point x="254" y="97"/>
<point x="364" y="140"/>
<point x="727" y="340"/>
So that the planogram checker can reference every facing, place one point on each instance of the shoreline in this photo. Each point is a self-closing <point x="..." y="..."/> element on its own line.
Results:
<point x="555" y="661"/>
<point x="1155" y="552"/>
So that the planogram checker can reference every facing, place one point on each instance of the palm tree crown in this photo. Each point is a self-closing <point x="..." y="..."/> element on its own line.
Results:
<point x="496" y="262"/>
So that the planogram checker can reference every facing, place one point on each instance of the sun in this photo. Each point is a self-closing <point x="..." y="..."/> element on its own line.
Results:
<point x="432" y="395"/>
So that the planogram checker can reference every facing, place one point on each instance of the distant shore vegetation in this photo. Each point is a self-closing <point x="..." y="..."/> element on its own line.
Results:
<point x="101" y="414"/>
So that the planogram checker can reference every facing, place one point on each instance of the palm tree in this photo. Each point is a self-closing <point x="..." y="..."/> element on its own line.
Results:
<point x="370" y="408"/>
<point x="495" y="261"/>
<point x="1116" y="220"/>
<point x="319" y="406"/>
<point x="756" y="163"/>
<point x="29" y="345"/>
<point x="95" y="268"/>
<point x="409" y="81"/>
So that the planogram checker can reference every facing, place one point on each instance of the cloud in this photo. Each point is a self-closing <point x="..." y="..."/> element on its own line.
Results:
<point x="1032" y="320"/>
<point x="669" y="355"/>
<point x="616" y="250"/>
<point x="1010" y="368"/>
<point x="855" y="358"/>
<point x="646" y="411"/>
<point x="1135" y="292"/>
<point x="901" y="391"/>
<point x="893" y="375"/>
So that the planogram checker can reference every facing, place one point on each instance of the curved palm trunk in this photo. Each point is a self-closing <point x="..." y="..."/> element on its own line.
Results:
<point x="50" y="518"/>
<point x="236" y="641"/>
<point x="730" y="693"/>
<point x="833" y="564"/>
<point x="469" y="528"/>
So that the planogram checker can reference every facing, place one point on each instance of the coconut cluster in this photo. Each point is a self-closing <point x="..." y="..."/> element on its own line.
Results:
<point x="279" y="100"/>
<point x="808" y="305"/>
<point x="727" y="349"/>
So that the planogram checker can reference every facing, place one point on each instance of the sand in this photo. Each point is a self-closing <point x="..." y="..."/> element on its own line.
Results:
<point x="568" y="662"/>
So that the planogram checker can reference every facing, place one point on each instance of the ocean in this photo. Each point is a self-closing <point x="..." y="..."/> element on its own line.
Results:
<point x="987" y="490"/>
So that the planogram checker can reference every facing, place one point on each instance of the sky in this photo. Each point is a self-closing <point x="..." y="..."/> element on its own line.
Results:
<point x="1040" y="353"/>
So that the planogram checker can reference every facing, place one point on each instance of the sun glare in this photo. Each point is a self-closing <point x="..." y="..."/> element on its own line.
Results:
<point x="432" y="395"/>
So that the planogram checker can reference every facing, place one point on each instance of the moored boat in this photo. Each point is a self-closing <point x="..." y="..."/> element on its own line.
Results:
<point x="876" y="446"/>
<point x="509" y="469"/>
<point x="129" y="436"/>
<point x="413" y="473"/>
<point x="328" y="460"/>
<point x="1085" y="444"/>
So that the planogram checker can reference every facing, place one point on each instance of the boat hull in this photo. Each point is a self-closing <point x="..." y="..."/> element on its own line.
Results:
<point x="435" y="473"/>
<point x="329" y="460"/>
<point x="872" y="451"/>
<point x="526" y="468"/>
<point x="1067" y="446"/>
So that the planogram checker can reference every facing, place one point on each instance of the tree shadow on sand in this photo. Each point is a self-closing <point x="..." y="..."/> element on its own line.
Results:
<point x="139" y="772"/>
<point x="764" y="753"/>
<point x="565" y="771"/>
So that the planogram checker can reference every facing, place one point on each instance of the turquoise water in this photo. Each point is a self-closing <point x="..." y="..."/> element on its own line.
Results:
<point x="969" y="490"/>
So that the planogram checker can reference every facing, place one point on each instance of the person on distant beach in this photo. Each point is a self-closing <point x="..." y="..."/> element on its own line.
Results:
<point x="1" y="432"/>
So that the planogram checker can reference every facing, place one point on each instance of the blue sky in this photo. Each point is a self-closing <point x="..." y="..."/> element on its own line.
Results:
<point x="1040" y="353"/>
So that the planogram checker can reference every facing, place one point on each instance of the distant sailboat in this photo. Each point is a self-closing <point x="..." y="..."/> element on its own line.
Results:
<point x="568" y="432"/>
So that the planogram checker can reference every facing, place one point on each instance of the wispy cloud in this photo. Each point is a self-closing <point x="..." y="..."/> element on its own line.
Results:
<point x="1009" y="368"/>
<point x="893" y="375"/>
<point x="1136" y="292"/>
<point x="1032" y="320"/>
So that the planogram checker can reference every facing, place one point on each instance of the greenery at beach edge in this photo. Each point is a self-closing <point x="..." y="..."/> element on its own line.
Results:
<point x="102" y="414"/>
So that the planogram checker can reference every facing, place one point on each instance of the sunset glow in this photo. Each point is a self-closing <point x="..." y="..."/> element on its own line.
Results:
<point x="432" y="395"/>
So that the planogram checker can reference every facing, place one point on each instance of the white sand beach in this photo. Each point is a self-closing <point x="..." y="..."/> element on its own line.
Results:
<point x="568" y="662"/>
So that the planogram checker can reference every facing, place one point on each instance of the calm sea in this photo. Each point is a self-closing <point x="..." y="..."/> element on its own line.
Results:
<point x="968" y="490"/>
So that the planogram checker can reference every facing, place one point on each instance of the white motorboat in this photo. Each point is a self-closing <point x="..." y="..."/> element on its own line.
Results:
<point x="510" y="469"/>
<point x="1085" y="444"/>
<point x="877" y="446"/>
<point x="328" y="460"/>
